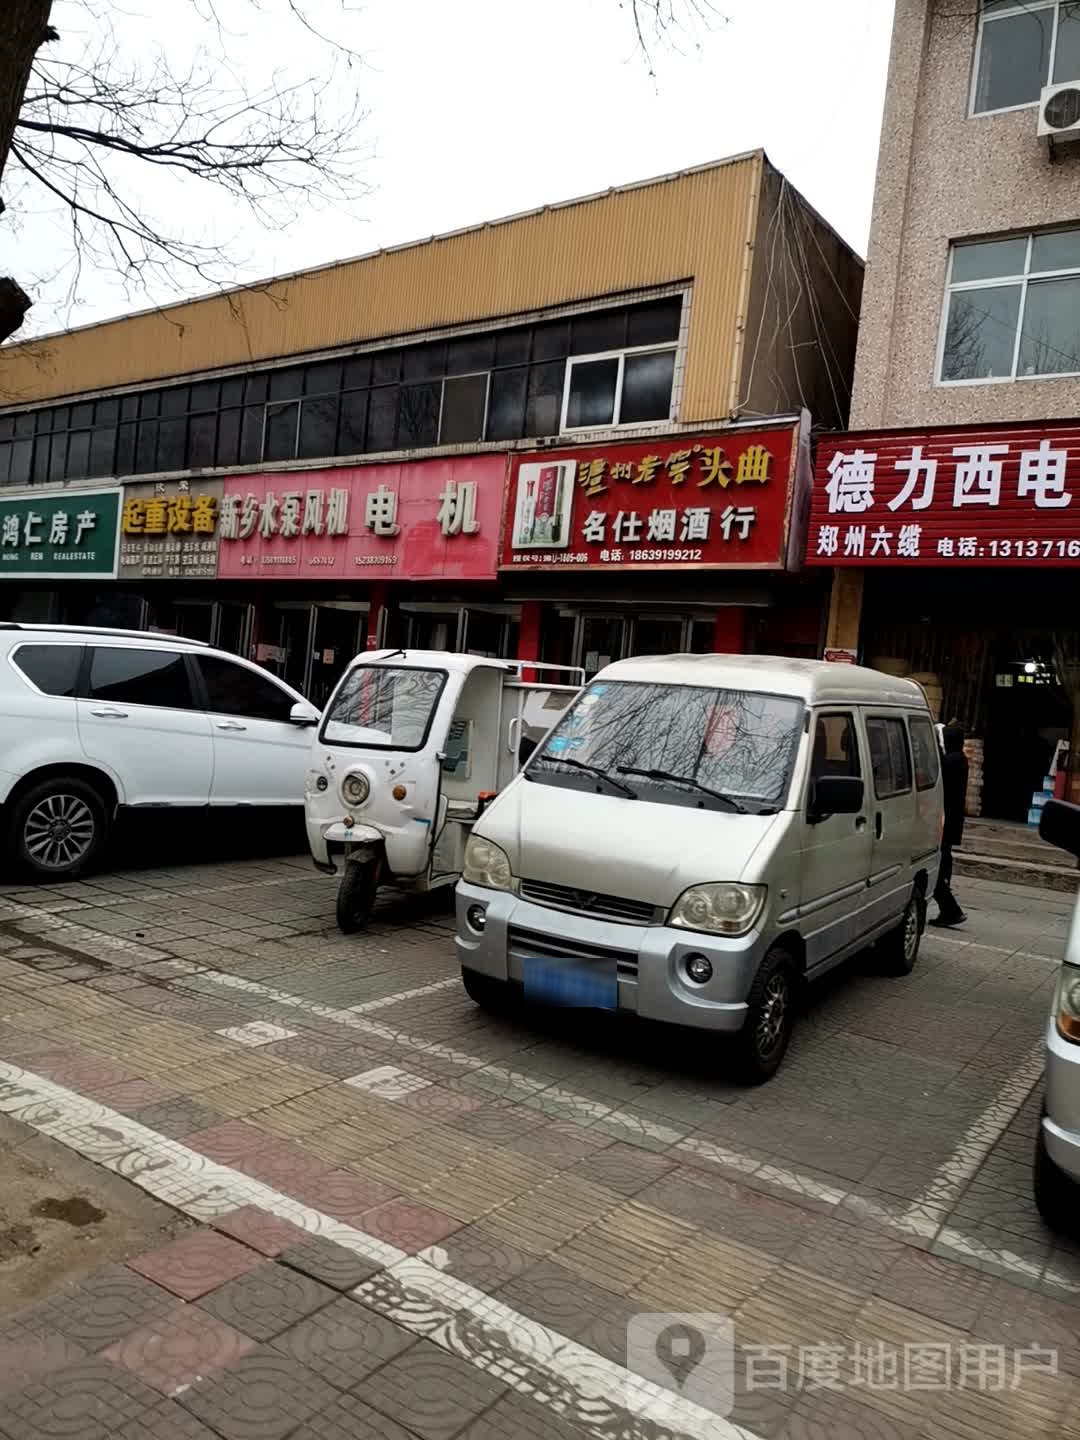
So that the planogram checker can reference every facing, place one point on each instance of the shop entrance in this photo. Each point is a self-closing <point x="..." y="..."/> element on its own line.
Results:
<point x="488" y="630"/>
<point x="1027" y="714"/>
<point x="314" y="643"/>
<point x="595" y="638"/>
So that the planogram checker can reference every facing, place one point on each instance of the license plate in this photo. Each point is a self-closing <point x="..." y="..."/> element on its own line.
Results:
<point x="577" y="986"/>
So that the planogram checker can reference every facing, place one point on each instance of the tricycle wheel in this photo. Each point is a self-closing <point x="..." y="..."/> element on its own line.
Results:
<point x="356" y="895"/>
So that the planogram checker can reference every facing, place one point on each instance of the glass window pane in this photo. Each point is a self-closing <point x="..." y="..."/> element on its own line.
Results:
<point x="54" y="669"/>
<point x="255" y="388"/>
<point x="286" y="384"/>
<point x="106" y="412"/>
<point x="418" y="417"/>
<point x="593" y="334"/>
<point x="551" y="341"/>
<point x="21" y="452"/>
<point x="989" y="259"/>
<point x="592" y="393"/>
<point x="318" y="427"/>
<point x="42" y="449"/>
<point x="382" y="418"/>
<point x="125" y="449"/>
<point x="357" y="372"/>
<point x="386" y="367"/>
<point x="836" y="748"/>
<point x="175" y="401"/>
<point x="925" y="752"/>
<point x="38" y="422"/>
<point x="172" y="439"/>
<point x="139" y="677"/>
<point x="1059" y="250"/>
<point x="1014" y="59"/>
<point x="281" y="421"/>
<point x="58" y="457"/>
<point x="82" y="417"/>
<point x="655" y="322"/>
<point x="251" y="435"/>
<point x="981" y="333"/>
<point x="424" y="362"/>
<point x="1067" y="55"/>
<point x="102" y="452"/>
<point x="228" y="438"/>
<point x="232" y="689"/>
<point x="129" y="407"/>
<point x="512" y="346"/>
<point x="5" y="460"/>
<point x="149" y="404"/>
<point x="232" y="391"/>
<point x="471" y="352"/>
<point x="1050" y="342"/>
<point x="78" y="456"/>
<point x="464" y="404"/>
<point x="61" y="416"/>
<point x="204" y="396"/>
<point x="506" y="404"/>
<point x="7" y="427"/>
<point x="201" y="441"/>
<point x="544" y="410"/>
<point x="146" y="450"/>
<point x="323" y="378"/>
<point x="354" y="407"/>
<point x="647" y="382"/>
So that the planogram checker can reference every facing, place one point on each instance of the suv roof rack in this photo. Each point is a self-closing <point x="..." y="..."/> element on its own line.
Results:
<point x="105" y="630"/>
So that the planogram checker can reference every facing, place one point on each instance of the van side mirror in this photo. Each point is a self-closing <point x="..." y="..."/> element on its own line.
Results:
<point x="303" y="714"/>
<point x="1060" y="826"/>
<point x="835" y="795"/>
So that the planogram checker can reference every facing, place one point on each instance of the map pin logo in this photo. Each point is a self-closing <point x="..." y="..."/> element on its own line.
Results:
<point x="680" y="1349"/>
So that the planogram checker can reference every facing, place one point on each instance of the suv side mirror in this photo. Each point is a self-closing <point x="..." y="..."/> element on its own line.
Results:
<point x="1060" y="826"/>
<point x="303" y="714"/>
<point x="835" y="795"/>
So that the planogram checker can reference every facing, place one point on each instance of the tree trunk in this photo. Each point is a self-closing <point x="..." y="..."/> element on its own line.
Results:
<point x="24" y="26"/>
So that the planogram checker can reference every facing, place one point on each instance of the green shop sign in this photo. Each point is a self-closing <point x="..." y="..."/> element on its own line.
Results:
<point x="57" y="534"/>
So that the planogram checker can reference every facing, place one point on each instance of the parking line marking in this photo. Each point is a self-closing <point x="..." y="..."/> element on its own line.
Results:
<point x="420" y="990"/>
<point x="593" y="1392"/>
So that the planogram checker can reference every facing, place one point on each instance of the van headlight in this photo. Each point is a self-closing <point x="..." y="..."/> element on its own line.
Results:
<point x="723" y="909"/>
<point x="1068" y="1004"/>
<point x="355" y="789"/>
<point x="486" y="864"/>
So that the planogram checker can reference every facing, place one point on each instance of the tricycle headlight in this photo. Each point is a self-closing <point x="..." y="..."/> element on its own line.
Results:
<point x="355" y="789"/>
<point x="1068" y="1004"/>
<point x="486" y="864"/>
<point x="724" y="909"/>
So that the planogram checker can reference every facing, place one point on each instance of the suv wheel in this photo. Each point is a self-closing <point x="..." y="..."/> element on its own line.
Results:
<point x="58" y="828"/>
<point x="770" y="1018"/>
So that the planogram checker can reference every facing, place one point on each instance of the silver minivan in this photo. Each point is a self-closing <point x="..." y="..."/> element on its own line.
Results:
<point x="697" y="835"/>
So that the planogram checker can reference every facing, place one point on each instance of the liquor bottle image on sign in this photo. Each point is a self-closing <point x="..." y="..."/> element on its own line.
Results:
<point x="545" y="497"/>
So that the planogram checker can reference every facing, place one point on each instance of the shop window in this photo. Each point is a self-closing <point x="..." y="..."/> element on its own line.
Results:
<point x="544" y="406"/>
<point x="890" y="760"/>
<point x="5" y="461"/>
<point x="323" y="378"/>
<point x="57" y="458"/>
<point x="318" y="427"/>
<point x="592" y="394"/>
<point x="279" y="442"/>
<point x="464" y="407"/>
<point x="382" y="419"/>
<point x="21" y="457"/>
<point x="286" y="384"/>
<point x="647" y="384"/>
<point x="251" y="435"/>
<point x="125" y="449"/>
<point x="924" y="753"/>
<point x="204" y="396"/>
<point x="1022" y="46"/>
<point x="146" y="446"/>
<point x="506" y="404"/>
<point x="593" y="334"/>
<point x="78" y="455"/>
<point x="354" y="409"/>
<point x="386" y="367"/>
<point x="473" y="352"/>
<point x="228" y="437"/>
<point x="654" y="323"/>
<point x="201" y="441"/>
<point x="625" y="389"/>
<point x="172" y="440"/>
<point x="1013" y="308"/>
<point x="418" y="415"/>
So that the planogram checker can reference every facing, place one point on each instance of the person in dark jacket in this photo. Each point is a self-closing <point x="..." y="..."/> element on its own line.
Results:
<point x="954" y="776"/>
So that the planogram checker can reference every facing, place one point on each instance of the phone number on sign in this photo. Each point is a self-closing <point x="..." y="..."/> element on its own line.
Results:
<point x="1029" y="549"/>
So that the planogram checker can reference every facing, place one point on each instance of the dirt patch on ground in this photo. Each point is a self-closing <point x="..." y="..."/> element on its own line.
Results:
<point x="62" y="1217"/>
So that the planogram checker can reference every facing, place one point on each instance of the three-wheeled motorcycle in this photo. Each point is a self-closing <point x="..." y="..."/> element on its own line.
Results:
<point x="410" y="748"/>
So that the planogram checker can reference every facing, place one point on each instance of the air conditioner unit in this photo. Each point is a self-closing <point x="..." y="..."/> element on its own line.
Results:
<point x="1059" y="112"/>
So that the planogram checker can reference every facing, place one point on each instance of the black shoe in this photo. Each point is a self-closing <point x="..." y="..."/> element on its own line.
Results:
<point x="947" y="922"/>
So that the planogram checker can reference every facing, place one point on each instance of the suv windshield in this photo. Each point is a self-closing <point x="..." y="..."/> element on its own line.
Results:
<point x="678" y="743"/>
<point x="384" y="706"/>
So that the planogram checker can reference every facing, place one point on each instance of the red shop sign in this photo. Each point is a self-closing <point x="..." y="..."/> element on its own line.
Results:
<point x="679" y="500"/>
<point x="432" y="519"/>
<point x="1002" y="495"/>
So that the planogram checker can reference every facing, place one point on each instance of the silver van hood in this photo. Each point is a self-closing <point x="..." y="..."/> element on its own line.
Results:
<point x="617" y="846"/>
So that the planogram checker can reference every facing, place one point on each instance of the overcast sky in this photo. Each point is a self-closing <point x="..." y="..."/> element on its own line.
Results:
<point x="479" y="108"/>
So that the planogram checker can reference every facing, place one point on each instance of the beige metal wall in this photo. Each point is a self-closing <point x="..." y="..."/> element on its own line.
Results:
<point x="698" y="225"/>
<point x="943" y="176"/>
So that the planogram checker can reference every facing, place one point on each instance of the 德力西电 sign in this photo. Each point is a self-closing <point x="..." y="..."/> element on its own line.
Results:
<point x="673" y="501"/>
<point x="1001" y="495"/>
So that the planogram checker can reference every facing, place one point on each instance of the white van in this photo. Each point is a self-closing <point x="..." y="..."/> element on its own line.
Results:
<point x="697" y="835"/>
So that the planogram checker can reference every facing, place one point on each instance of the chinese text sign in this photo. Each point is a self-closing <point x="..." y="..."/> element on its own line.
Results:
<point x="60" y="534"/>
<point x="169" y="531"/>
<point x="1007" y="496"/>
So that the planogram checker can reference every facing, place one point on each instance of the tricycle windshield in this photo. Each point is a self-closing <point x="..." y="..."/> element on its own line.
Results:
<point x="384" y="707"/>
<point x="676" y="744"/>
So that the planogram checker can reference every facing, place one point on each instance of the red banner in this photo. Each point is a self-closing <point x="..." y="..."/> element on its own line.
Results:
<point x="718" y="500"/>
<point x="1000" y="495"/>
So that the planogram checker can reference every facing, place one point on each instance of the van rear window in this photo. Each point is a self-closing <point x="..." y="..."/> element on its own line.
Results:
<point x="925" y="752"/>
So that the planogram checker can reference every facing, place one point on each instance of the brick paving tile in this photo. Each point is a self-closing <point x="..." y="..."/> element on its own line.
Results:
<point x="267" y="1301"/>
<point x="1017" y="1318"/>
<point x="131" y="1095"/>
<point x="329" y="1263"/>
<point x="409" y="1227"/>
<point x="798" y="1308"/>
<point x="836" y="1416"/>
<point x="562" y="1143"/>
<point x="939" y="1288"/>
<point x="168" y="1421"/>
<point x="228" y="1143"/>
<point x="350" y="1419"/>
<point x="851" y="1255"/>
<point x="625" y="1246"/>
<point x="482" y="1259"/>
<point x="556" y="1297"/>
<point x="197" y="1264"/>
<point x="431" y="1392"/>
<point x="1034" y="1411"/>
<point x="766" y="1223"/>
<point x="265" y="1397"/>
<point x="517" y="1418"/>
<point x="267" y="1233"/>
<point x="88" y="1401"/>
<point x="626" y="1169"/>
<point x="178" y="1348"/>
<point x="498" y="1123"/>
<point x="342" y="1194"/>
<point x="105" y="1307"/>
<point x="344" y="1343"/>
<point x="178" y="1118"/>
<point x="551" y="1215"/>
<point x="27" y="1359"/>
<point x="708" y="1274"/>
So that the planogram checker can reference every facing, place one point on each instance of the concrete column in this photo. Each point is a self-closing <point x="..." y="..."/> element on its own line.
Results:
<point x="845" y="610"/>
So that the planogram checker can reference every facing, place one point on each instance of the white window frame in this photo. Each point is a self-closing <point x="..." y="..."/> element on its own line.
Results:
<point x="1023" y="281"/>
<point x="616" y="421"/>
<point x="1021" y="7"/>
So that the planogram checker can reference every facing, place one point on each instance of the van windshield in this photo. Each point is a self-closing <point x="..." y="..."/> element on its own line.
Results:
<point x="383" y="706"/>
<point x="737" y="744"/>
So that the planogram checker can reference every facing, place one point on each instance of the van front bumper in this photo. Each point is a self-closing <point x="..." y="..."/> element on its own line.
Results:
<point x="1061" y="1123"/>
<point x="651" y="959"/>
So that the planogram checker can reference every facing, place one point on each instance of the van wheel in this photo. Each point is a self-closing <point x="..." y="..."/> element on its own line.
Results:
<point x="58" y="828"/>
<point x="487" y="992"/>
<point x="356" y="895"/>
<point x="1056" y="1196"/>
<point x="899" y="949"/>
<point x="763" y="1041"/>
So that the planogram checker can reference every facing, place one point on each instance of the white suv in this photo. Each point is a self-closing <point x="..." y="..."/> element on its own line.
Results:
<point x="94" y="720"/>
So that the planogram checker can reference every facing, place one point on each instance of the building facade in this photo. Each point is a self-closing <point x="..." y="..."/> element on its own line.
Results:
<point x="572" y="434"/>
<point x="963" y="467"/>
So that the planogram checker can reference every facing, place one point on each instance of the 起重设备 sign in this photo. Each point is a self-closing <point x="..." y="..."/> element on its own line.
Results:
<point x="170" y="531"/>
<point x="714" y="500"/>
<point x="60" y="534"/>
<point x="996" y="496"/>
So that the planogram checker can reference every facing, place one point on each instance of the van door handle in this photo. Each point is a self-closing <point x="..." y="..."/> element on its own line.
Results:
<point x="230" y="725"/>
<point x="878" y="825"/>
<point x="106" y="713"/>
<point x="860" y="822"/>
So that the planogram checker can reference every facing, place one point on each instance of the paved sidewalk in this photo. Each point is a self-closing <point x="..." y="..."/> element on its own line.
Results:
<point x="418" y="1220"/>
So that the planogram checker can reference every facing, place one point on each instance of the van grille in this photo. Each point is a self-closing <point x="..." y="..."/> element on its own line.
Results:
<point x="588" y="902"/>
<point x="529" y="944"/>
